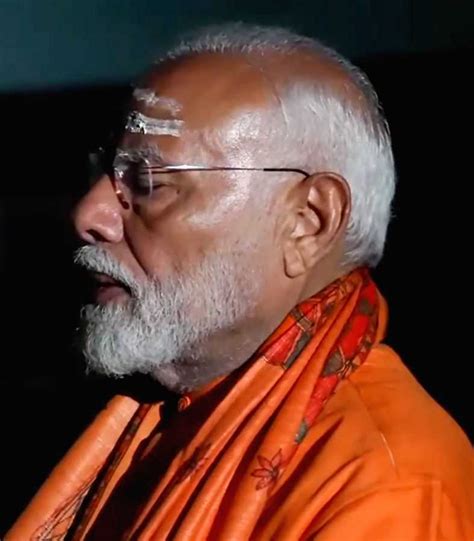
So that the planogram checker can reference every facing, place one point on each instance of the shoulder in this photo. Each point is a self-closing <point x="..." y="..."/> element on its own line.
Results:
<point x="414" y="443"/>
<point x="419" y="433"/>
<point x="382" y="461"/>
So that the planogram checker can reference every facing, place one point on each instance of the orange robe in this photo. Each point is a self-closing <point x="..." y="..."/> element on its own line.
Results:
<point x="323" y="435"/>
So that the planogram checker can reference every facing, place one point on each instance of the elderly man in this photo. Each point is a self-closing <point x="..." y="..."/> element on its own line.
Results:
<point x="230" y="235"/>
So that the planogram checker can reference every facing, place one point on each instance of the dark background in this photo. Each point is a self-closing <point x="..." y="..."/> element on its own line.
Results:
<point x="64" y="74"/>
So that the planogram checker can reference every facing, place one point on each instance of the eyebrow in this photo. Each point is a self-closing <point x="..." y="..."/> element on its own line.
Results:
<point x="147" y="151"/>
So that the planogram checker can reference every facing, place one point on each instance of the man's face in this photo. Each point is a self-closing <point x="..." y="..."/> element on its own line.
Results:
<point x="193" y="256"/>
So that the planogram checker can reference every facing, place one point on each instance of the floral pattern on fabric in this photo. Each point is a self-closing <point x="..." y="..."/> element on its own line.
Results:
<point x="269" y="470"/>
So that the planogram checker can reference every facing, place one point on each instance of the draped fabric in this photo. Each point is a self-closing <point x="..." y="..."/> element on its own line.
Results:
<point x="225" y="461"/>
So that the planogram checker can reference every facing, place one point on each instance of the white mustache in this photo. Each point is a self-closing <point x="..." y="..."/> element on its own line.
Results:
<point x="97" y="259"/>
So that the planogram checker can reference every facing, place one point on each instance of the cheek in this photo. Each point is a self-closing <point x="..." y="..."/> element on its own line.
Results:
<point x="164" y="245"/>
<point x="164" y="238"/>
<point x="220" y="204"/>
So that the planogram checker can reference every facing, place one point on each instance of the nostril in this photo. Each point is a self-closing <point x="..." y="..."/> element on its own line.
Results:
<point x="94" y="236"/>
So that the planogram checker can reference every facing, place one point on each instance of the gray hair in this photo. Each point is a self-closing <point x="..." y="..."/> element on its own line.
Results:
<point x="324" y="130"/>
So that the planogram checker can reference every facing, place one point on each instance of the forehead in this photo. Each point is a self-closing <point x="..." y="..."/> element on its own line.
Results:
<point x="215" y="98"/>
<point x="210" y="87"/>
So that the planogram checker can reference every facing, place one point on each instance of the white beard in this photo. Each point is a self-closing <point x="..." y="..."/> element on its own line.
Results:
<point x="166" y="323"/>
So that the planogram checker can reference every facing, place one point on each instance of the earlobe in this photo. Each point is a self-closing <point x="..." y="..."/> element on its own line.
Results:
<point x="319" y="221"/>
<point x="293" y="262"/>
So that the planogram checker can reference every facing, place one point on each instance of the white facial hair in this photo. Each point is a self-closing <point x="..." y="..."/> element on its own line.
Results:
<point x="166" y="324"/>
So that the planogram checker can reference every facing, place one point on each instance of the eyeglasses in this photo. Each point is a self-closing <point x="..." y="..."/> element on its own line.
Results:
<point x="139" y="178"/>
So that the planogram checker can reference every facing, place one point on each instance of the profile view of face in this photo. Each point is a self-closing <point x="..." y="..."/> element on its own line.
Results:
<point x="179" y="256"/>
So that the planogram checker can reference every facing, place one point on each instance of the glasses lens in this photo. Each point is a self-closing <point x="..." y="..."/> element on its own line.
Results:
<point x="100" y="162"/>
<point x="135" y="178"/>
<point x="95" y="166"/>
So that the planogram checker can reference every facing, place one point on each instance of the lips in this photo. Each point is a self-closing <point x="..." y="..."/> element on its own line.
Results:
<point x="108" y="289"/>
<point x="106" y="280"/>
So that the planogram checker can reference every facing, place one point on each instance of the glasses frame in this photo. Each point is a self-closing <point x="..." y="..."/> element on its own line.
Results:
<point x="114" y="174"/>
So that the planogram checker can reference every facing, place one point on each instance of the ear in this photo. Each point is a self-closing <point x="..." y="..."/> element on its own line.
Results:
<point x="317" y="221"/>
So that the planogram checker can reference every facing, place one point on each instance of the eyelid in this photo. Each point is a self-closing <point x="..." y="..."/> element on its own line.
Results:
<point x="156" y="169"/>
<point x="161" y="178"/>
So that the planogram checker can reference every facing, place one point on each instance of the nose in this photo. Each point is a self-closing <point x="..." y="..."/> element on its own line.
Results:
<point x="98" y="215"/>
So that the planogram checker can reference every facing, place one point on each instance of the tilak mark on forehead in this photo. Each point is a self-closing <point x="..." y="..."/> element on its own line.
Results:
<point x="139" y="123"/>
<point x="151" y="99"/>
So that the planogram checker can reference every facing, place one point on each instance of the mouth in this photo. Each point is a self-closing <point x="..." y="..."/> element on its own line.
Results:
<point x="108" y="289"/>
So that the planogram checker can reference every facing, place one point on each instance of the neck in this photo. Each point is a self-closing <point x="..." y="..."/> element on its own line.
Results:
<point x="217" y="357"/>
<point x="327" y="271"/>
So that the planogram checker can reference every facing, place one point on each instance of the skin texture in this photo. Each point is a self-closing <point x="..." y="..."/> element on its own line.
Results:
<point x="300" y="226"/>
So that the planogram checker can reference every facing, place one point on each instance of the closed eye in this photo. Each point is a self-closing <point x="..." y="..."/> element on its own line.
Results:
<point x="148" y="181"/>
